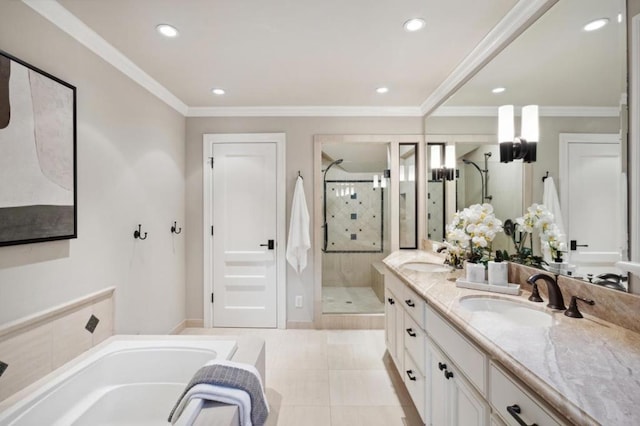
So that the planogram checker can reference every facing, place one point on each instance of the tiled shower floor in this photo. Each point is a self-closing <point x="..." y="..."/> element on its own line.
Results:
<point x="350" y="300"/>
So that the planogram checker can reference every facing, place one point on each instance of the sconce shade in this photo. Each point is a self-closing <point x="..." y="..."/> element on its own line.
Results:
<point x="402" y="176"/>
<point x="450" y="157"/>
<point x="412" y="173"/>
<point x="530" y="129"/>
<point x="436" y="157"/>
<point x="523" y="147"/>
<point x="506" y="131"/>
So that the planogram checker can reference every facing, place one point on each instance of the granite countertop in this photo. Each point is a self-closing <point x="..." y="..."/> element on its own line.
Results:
<point x="587" y="369"/>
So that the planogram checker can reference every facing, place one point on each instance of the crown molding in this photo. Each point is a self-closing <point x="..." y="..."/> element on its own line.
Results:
<point x="303" y="111"/>
<point x="544" y="111"/>
<point x="518" y="19"/>
<point x="69" y="23"/>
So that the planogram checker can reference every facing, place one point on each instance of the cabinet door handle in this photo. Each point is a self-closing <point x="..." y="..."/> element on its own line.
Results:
<point x="448" y="374"/>
<point x="410" y="303"/>
<point x="514" y="410"/>
<point x="410" y="332"/>
<point x="442" y="366"/>
<point x="411" y="376"/>
<point x="391" y="301"/>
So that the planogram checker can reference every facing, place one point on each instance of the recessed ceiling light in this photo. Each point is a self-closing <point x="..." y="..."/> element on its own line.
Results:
<point x="217" y="91"/>
<point x="597" y="24"/>
<point x="382" y="89"/>
<point x="167" y="30"/>
<point x="414" y="24"/>
<point x="498" y="90"/>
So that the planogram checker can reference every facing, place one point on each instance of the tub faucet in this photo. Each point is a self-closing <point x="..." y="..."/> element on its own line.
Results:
<point x="555" y="295"/>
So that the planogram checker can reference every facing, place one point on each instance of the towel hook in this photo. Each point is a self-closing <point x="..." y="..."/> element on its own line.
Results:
<point x="175" y="229"/>
<point x="138" y="233"/>
<point x="545" y="176"/>
<point x="299" y="175"/>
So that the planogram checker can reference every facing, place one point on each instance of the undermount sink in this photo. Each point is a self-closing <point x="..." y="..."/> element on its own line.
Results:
<point x="508" y="310"/>
<point x="425" y="267"/>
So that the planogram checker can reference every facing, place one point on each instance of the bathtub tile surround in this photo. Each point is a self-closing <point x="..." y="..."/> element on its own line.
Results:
<point x="39" y="344"/>
<point x="583" y="369"/>
<point x="330" y="378"/>
<point x="71" y="338"/>
<point x="92" y="324"/>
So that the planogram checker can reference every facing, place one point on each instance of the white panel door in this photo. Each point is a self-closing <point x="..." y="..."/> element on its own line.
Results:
<point x="594" y="201"/>
<point x="244" y="222"/>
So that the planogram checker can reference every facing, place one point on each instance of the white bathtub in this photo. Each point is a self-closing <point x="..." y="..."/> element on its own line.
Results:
<point x="125" y="381"/>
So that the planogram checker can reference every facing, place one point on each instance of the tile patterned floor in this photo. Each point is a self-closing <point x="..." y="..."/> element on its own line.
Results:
<point x="350" y="300"/>
<point x="330" y="378"/>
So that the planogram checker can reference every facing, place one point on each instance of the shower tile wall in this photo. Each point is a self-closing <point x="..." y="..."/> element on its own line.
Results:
<point x="354" y="216"/>
<point x="349" y="269"/>
<point x="354" y="269"/>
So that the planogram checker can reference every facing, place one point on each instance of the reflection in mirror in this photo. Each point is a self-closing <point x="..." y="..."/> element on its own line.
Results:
<point x="436" y="194"/>
<point x="582" y="100"/>
<point x="355" y="225"/>
<point x="479" y="178"/>
<point x="408" y="196"/>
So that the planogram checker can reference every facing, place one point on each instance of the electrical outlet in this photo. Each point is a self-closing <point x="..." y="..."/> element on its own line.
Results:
<point x="298" y="301"/>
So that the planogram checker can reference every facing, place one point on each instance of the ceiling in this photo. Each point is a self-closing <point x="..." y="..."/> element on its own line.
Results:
<point x="294" y="52"/>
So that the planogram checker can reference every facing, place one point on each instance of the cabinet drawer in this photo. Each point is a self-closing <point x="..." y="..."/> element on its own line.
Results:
<point x="414" y="342"/>
<point x="416" y="384"/>
<point x="414" y="305"/>
<point x="469" y="359"/>
<point x="505" y="393"/>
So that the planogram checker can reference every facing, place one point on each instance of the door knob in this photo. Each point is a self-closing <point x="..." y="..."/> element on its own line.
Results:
<point x="270" y="244"/>
<point x="573" y="245"/>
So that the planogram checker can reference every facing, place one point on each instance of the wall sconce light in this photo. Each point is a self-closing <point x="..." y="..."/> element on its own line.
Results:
<point x="386" y="174"/>
<point x="523" y="147"/>
<point x="447" y="170"/>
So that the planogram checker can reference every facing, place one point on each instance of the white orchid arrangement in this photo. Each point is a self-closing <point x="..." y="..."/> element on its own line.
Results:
<point x="470" y="234"/>
<point x="539" y="218"/>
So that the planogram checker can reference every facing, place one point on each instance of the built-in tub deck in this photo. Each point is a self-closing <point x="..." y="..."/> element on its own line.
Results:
<point x="130" y="380"/>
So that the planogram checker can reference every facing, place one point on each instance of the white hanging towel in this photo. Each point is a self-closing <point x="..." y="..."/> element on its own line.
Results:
<point x="550" y="200"/>
<point x="299" y="241"/>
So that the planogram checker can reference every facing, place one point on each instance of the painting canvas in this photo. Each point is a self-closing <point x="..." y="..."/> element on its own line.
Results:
<point x="37" y="155"/>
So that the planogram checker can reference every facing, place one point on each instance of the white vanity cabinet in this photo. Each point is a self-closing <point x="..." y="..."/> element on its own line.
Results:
<point x="506" y="395"/>
<point x="450" y="380"/>
<point x="393" y="326"/>
<point x="453" y="399"/>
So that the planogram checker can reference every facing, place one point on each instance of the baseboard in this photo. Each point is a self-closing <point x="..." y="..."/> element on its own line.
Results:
<point x="301" y="325"/>
<point x="194" y="323"/>
<point x="178" y="328"/>
<point x="352" y="321"/>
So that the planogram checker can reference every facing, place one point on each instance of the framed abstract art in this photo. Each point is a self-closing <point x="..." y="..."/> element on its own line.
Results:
<point x="37" y="155"/>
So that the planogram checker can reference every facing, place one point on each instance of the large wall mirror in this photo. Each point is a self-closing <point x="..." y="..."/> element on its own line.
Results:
<point x="579" y="80"/>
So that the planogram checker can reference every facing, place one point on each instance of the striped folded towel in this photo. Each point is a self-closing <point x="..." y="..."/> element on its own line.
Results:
<point x="228" y="382"/>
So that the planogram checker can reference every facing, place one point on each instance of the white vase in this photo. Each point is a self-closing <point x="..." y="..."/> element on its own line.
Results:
<point x="475" y="272"/>
<point x="498" y="273"/>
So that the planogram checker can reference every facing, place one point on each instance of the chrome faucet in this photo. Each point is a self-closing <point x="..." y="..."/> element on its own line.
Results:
<point x="555" y="295"/>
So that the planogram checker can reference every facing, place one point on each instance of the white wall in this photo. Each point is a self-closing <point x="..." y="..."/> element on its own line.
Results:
<point x="299" y="133"/>
<point x="130" y="170"/>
